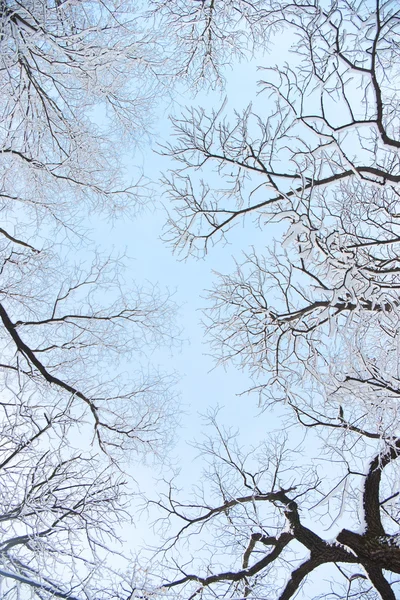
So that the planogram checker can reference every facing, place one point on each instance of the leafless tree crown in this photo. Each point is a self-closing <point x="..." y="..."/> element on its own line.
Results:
<point x="314" y="314"/>
<point x="77" y="396"/>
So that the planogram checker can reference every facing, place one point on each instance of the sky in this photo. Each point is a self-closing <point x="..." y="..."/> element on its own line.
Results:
<point x="201" y="387"/>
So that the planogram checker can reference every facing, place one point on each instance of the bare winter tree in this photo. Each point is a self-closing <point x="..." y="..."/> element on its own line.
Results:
<point x="314" y="315"/>
<point x="208" y="35"/>
<point x="257" y="527"/>
<point x="322" y="303"/>
<point x="76" y="390"/>
<point x="59" y="509"/>
<point x="61" y="63"/>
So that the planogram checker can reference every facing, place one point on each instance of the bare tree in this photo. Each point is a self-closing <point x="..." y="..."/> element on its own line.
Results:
<point x="61" y="63"/>
<point x="58" y="508"/>
<point x="208" y="35"/>
<point x="314" y="316"/>
<point x="58" y="64"/>
<point x="323" y="301"/>
<point x="77" y="394"/>
<point x="257" y="526"/>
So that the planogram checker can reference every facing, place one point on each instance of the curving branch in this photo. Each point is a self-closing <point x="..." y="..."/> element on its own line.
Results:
<point x="373" y="549"/>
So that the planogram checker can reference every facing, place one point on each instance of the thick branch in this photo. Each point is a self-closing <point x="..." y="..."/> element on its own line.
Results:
<point x="298" y="576"/>
<point x="281" y="543"/>
<point x="371" y="502"/>
<point x="380" y="583"/>
<point x="31" y="357"/>
<point x="36" y="584"/>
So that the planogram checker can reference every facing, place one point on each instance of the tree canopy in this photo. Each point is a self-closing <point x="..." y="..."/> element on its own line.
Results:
<point x="312" y="315"/>
<point x="75" y="78"/>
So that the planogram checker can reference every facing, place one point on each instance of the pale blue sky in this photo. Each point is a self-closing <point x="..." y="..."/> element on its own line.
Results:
<point x="201" y="387"/>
